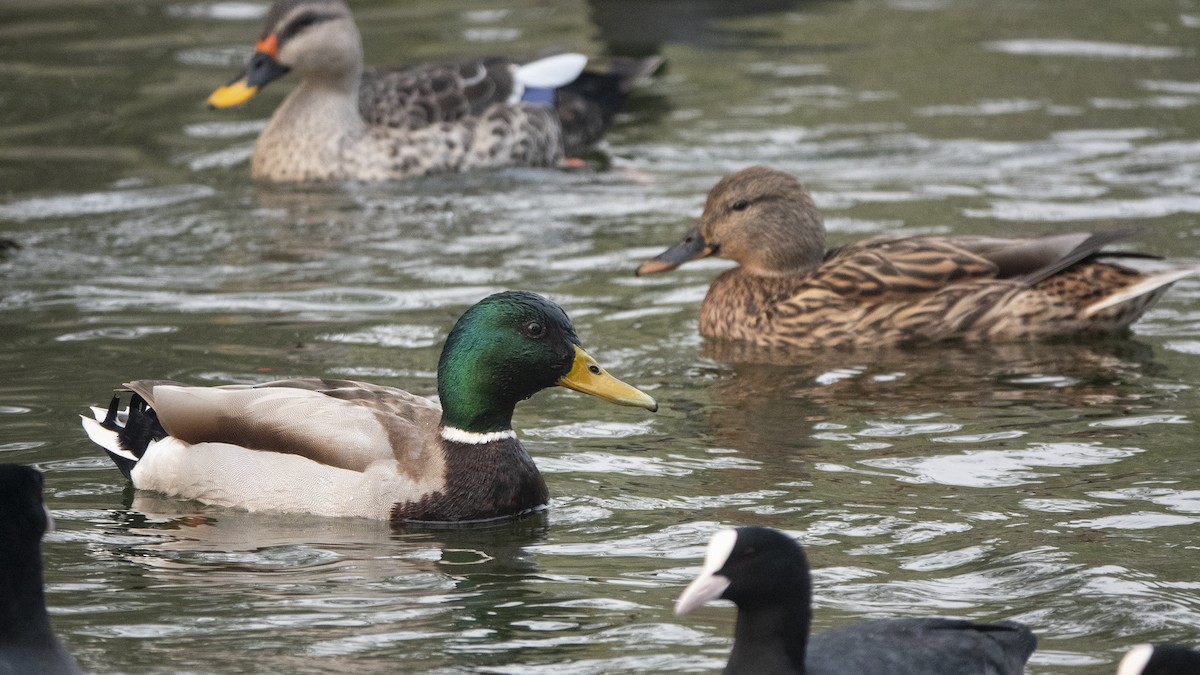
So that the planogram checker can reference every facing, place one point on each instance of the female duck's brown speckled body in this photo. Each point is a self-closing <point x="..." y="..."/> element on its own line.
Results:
<point x="788" y="290"/>
<point x="389" y="124"/>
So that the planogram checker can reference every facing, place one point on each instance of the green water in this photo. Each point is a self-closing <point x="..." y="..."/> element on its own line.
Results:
<point x="1054" y="484"/>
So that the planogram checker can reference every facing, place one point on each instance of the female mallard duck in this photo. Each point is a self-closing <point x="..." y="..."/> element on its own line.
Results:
<point x="389" y="124"/>
<point x="787" y="290"/>
<point x="765" y="573"/>
<point x="340" y="448"/>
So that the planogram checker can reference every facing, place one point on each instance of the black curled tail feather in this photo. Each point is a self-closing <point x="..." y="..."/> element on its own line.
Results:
<point x="110" y="418"/>
<point x="140" y="429"/>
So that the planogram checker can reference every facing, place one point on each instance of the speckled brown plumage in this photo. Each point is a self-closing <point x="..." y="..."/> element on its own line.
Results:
<point x="895" y="290"/>
<point x="415" y="96"/>
<point x="394" y="123"/>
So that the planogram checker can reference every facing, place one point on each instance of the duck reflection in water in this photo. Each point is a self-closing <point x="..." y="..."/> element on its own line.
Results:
<point x="358" y="581"/>
<point x="771" y="397"/>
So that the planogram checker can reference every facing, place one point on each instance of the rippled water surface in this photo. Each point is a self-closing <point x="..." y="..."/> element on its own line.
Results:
<point x="1056" y="484"/>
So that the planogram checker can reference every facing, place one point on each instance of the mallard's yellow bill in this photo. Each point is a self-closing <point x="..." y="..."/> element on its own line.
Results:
<point x="588" y="377"/>
<point x="232" y="94"/>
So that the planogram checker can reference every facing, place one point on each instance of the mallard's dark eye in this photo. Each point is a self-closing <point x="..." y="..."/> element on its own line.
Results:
<point x="535" y="330"/>
<point x="740" y="205"/>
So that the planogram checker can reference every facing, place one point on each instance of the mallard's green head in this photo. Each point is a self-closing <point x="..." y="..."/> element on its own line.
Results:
<point x="508" y="347"/>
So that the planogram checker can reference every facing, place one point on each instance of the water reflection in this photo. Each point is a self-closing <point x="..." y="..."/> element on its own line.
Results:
<point x="784" y="401"/>
<point x="1077" y="373"/>
<point x="345" y="586"/>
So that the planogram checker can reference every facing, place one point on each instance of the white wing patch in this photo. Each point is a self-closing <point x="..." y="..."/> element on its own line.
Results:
<point x="551" y="72"/>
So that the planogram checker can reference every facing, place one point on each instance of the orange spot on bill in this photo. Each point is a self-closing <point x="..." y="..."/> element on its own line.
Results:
<point x="268" y="45"/>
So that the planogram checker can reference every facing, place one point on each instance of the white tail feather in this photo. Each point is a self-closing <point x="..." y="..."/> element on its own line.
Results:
<point x="105" y="438"/>
<point x="1147" y="285"/>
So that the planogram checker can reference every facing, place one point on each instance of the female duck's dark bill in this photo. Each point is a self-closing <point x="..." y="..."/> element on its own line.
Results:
<point x="691" y="247"/>
<point x="588" y="377"/>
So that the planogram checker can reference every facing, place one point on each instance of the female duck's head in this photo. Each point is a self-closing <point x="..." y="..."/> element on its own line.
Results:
<point x="508" y="347"/>
<point x="763" y="218"/>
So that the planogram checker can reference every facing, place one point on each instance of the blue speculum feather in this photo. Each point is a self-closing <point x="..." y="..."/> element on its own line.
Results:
<point x="538" y="96"/>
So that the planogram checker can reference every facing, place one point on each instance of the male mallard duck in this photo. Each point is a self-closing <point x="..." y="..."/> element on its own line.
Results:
<point x="788" y="290"/>
<point x="764" y="572"/>
<point x="340" y="448"/>
<point x="27" y="642"/>
<point x="395" y="123"/>
<point x="1160" y="660"/>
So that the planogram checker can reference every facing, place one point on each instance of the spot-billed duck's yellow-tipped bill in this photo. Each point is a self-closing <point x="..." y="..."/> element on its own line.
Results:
<point x="588" y="377"/>
<point x="262" y="69"/>
<point x="234" y="93"/>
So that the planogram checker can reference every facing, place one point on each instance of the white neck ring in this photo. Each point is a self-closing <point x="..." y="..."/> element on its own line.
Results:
<point x="457" y="435"/>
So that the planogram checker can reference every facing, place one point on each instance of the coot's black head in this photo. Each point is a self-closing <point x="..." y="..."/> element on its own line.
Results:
<point x="754" y="567"/>
<point x="23" y="518"/>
